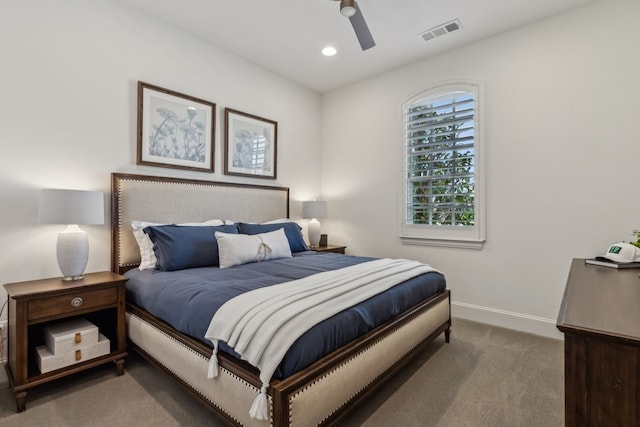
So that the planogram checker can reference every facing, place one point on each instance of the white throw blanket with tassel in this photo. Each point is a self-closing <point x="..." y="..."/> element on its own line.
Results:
<point x="262" y="324"/>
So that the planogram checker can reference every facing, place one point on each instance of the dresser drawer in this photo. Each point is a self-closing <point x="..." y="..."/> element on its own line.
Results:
<point x="70" y="303"/>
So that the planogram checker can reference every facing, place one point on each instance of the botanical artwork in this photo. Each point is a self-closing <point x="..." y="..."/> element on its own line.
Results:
<point x="250" y="145"/>
<point x="177" y="134"/>
<point x="174" y="130"/>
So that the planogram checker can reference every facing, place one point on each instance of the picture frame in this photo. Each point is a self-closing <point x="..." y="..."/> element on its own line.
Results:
<point x="250" y="145"/>
<point x="175" y="130"/>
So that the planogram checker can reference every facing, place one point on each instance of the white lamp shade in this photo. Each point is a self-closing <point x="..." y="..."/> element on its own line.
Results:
<point x="314" y="209"/>
<point x="71" y="207"/>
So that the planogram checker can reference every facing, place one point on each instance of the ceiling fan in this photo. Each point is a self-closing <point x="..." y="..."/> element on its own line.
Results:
<point x="351" y="10"/>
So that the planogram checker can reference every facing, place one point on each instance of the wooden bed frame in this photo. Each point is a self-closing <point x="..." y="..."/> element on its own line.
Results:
<point x="321" y="394"/>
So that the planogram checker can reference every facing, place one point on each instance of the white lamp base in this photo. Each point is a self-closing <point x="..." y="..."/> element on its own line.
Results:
<point x="314" y="232"/>
<point x="73" y="252"/>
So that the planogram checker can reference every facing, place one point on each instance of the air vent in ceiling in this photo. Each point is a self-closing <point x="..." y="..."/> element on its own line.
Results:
<point x="441" y="30"/>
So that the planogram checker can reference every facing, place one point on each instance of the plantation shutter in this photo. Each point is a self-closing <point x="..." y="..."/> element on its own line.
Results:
<point x="440" y="160"/>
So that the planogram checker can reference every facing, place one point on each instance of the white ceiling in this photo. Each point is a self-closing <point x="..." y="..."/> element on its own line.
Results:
<point x="286" y="36"/>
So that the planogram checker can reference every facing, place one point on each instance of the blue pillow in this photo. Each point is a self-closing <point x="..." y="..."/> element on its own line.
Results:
<point x="291" y="230"/>
<point x="178" y="246"/>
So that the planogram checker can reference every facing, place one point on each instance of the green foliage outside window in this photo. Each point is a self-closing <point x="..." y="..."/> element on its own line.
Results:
<point x="440" y="171"/>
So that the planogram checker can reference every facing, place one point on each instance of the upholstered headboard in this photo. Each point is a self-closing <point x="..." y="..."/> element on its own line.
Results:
<point x="174" y="200"/>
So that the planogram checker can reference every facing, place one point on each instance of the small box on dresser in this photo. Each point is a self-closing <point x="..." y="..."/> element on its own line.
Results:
<point x="48" y="361"/>
<point x="63" y="337"/>
<point x="70" y="342"/>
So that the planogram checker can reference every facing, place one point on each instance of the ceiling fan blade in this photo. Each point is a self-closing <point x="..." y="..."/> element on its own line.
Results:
<point x="362" y="30"/>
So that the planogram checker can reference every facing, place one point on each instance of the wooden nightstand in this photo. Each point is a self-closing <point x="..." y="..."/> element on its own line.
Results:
<point x="98" y="297"/>
<point x="329" y="248"/>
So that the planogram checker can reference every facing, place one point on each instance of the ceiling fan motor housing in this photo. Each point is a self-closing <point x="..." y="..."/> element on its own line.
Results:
<point x="348" y="8"/>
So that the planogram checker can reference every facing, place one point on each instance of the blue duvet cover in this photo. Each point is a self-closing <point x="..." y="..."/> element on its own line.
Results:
<point x="188" y="299"/>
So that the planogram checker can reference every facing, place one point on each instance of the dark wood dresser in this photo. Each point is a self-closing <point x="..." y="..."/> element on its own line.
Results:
<point x="600" y="319"/>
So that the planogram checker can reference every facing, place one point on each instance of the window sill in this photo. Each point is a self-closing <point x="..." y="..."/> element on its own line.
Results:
<point x="448" y="243"/>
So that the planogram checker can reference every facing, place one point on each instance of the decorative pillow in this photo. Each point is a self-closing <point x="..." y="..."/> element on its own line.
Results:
<point x="178" y="247"/>
<point x="291" y="230"/>
<point x="147" y="256"/>
<point x="277" y="221"/>
<point x="236" y="249"/>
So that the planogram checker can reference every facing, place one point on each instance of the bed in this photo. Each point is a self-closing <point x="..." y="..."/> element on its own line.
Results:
<point x="301" y="393"/>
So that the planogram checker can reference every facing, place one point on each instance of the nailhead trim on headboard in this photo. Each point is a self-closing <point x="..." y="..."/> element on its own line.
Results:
<point x="176" y="200"/>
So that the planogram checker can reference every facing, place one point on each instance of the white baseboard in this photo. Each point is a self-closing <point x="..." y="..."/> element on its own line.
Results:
<point x="506" y="319"/>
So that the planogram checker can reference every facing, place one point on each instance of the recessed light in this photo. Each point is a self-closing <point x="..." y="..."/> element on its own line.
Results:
<point x="329" y="51"/>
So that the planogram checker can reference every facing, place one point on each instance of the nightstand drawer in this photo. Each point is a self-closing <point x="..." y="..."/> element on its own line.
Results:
<point x="67" y="304"/>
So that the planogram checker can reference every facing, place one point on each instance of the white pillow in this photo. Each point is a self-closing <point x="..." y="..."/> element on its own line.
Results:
<point x="278" y="221"/>
<point x="147" y="256"/>
<point x="273" y="221"/>
<point x="236" y="249"/>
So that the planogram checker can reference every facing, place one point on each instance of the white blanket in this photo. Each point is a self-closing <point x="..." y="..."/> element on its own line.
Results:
<point x="261" y="325"/>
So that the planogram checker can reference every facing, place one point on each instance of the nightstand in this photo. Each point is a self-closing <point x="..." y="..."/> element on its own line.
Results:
<point x="329" y="248"/>
<point x="98" y="297"/>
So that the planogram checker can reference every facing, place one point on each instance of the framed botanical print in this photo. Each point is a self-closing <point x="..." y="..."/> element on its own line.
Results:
<point x="250" y="145"/>
<point x="175" y="130"/>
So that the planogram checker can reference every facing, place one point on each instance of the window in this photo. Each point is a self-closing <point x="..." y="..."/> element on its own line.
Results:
<point x="442" y="174"/>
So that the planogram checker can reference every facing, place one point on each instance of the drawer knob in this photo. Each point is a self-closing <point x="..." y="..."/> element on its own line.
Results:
<point x="76" y="302"/>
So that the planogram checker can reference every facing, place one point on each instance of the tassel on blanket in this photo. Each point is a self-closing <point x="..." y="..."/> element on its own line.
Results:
<point x="260" y="405"/>
<point x="213" y="362"/>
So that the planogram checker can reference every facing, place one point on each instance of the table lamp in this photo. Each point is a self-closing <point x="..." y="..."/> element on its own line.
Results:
<point x="313" y="210"/>
<point x="71" y="207"/>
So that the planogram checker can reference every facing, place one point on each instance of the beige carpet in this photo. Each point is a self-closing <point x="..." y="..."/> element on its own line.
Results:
<point x="486" y="376"/>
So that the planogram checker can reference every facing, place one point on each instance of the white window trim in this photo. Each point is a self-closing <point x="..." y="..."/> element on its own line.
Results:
<point x="449" y="236"/>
